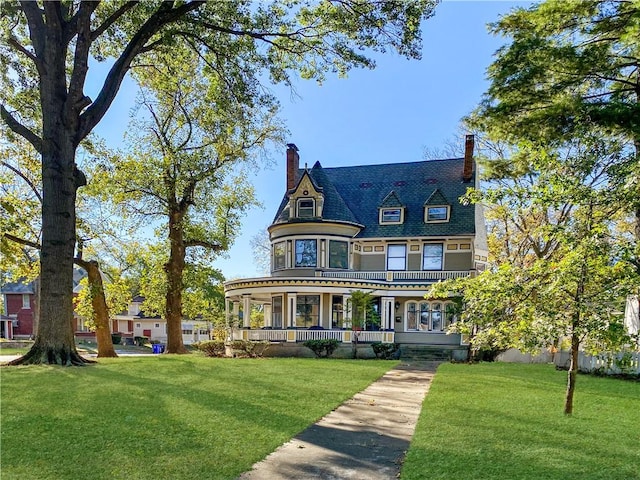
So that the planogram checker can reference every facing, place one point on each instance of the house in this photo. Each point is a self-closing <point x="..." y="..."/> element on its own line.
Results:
<point x="20" y="300"/>
<point x="135" y="323"/>
<point x="391" y="230"/>
<point x="19" y="315"/>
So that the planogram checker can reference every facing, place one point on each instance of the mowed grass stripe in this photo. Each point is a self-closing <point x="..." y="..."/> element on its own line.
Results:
<point x="165" y="416"/>
<point x="506" y="421"/>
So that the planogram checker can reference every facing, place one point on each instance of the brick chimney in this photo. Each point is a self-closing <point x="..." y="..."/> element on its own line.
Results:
<point x="467" y="169"/>
<point x="293" y="164"/>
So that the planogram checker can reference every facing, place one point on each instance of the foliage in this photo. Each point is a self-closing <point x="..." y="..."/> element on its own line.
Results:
<point x="385" y="351"/>
<point x="249" y="348"/>
<point x="161" y="404"/>
<point x="211" y="348"/>
<point x="322" y="348"/>
<point x="511" y="426"/>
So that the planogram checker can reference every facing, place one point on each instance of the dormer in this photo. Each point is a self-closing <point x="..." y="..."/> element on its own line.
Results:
<point x="437" y="209"/>
<point x="391" y="211"/>
<point x="306" y="201"/>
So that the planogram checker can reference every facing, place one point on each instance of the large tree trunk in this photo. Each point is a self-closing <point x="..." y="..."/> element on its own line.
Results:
<point x="174" y="269"/>
<point x="100" y="309"/>
<point x="54" y="342"/>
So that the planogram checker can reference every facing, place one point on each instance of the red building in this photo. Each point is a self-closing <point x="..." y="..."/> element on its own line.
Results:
<point x="19" y="304"/>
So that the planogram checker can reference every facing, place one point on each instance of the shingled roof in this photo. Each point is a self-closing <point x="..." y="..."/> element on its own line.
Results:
<point x="354" y="195"/>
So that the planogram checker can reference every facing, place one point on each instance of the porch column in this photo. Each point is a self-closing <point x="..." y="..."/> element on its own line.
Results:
<point x="346" y="311"/>
<point x="266" y="309"/>
<point x="246" y="311"/>
<point x="291" y="310"/>
<point x="387" y="305"/>
<point x="235" y="315"/>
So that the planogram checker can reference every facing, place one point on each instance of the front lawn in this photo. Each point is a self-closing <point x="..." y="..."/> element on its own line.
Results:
<point x="165" y="416"/>
<point x="505" y="421"/>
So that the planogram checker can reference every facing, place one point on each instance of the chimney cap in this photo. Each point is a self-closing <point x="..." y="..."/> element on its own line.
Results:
<point x="292" y="146"/>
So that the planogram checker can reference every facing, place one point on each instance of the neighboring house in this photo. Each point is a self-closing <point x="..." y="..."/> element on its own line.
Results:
<point x="19" y="303"/>
<point x="135" y="323"/>
<point x="391" y="230"/>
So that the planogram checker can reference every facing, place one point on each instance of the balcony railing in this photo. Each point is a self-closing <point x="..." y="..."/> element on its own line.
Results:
<point x="300" y="335"/>
<point x="392" y="276"/>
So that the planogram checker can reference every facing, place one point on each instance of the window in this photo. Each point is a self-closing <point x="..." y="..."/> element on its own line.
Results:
<point x="306" y="208"/>
<point x="276" y="312"/>
<point x="337" y="312"/>
<point x="428" y="316"/>
<point x="338" y="254"/>
<point x="279" y="255"/>
<point x="390" y="215"/>
<point x="187" y="332"/>
<point x="26" y="301"/>
<point x="138" y="325"/>
<point x="432" y="256"/>
<point x="306" y="253"/>
<point x="411" y="316"/>
<point x="437" y="214"/>
<point x="157" y="325"/>
<point x="396" y="257"/>
<point x="307" y="310"/>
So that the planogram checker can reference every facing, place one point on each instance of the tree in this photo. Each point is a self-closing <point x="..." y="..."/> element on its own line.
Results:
<point x="571" y="68"/>
<point x="183" y="168"/>
<point x="21" y="200"/>
<point x="573" y="289"/>
<point x="47" y="50"/>
<point x="358" y="307"/>
<point x="261" y="249"/>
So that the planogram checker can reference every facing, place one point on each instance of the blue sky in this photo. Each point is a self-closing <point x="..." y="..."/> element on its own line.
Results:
<point x="390" y="114"/>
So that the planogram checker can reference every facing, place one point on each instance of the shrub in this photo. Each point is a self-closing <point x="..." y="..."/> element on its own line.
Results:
<point x="385" y="351"/>
<point x="140" y="341"/>
<point x="249" y="348"/>
<point x="322" y="348"/>
<point x="116" y="339"/>
<point x="211" y="348"/>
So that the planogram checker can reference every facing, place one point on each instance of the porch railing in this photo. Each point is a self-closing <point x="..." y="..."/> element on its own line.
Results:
<point x="295" y="335"/>
<point x="391" y="276"/>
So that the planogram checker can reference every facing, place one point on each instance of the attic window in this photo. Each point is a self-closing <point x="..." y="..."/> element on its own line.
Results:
<point x="437" y="214"/>
<point x="391" y="216"/>
<point x="306" y="208"/>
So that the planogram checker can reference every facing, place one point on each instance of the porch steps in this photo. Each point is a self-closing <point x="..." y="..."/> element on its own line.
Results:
<point x="409" y="351"/>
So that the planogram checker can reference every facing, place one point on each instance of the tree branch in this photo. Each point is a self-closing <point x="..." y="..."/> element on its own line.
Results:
<point x="20" y="129"/>
<point x="111" y="19"/>
<point x="27" y="180"/>
<point x="163" y="16"/>
<point x="216" y="247"/>
<point x="22" y="241"/>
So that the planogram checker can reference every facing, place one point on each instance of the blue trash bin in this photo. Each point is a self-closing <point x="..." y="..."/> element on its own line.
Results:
<point x="162" y="348"/>
<point x="156" y="348"/>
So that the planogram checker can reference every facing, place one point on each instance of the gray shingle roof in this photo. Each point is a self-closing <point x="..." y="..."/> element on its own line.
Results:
<point x="354" y="194"/>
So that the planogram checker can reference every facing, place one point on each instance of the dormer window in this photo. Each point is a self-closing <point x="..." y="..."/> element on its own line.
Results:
<point x="437" y="214"/>
<point x="391" y="216"/>
<point x="306" y="208"/>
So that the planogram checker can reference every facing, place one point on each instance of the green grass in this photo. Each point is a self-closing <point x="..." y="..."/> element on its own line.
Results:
<point x="505" y="421"/>
<point x="165" y="416"/>
<point x="13" y="351"/>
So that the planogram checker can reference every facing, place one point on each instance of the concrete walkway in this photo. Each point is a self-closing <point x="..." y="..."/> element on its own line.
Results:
<point x="365" y="438"/>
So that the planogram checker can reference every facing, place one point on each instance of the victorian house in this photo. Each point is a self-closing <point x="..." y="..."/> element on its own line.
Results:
<point x="390" y="230"/>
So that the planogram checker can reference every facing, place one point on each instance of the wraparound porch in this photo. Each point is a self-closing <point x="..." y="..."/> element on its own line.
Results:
<point x="301" y="335"/>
